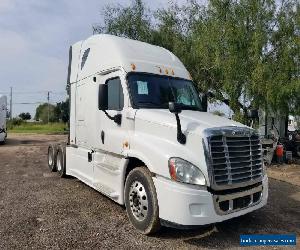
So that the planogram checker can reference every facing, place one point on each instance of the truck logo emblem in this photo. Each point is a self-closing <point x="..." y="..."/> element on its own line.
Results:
<point x="243" y="133"/>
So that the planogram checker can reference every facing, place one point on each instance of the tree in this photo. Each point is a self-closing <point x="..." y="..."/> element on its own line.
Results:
<point x="42" y="112"/>
<point x="245" y="52"/>
<point x="284" y="59"/>
<point x="132" y="22"/>
<point x="58" y="112"/>
<point x="25" y="116"/>
<point x="62" y="111"/>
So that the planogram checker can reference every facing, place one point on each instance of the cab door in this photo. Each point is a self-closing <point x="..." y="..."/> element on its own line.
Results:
<point x="110" y="135"/>
<point x="108" y="157"/>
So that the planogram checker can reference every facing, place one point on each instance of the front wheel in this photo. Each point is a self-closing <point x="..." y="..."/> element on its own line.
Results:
<point x="141" y="201"/>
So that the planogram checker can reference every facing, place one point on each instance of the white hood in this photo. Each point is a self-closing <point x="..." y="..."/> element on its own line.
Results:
<point x="156" y="132"/>
<point x="191" y="121"/>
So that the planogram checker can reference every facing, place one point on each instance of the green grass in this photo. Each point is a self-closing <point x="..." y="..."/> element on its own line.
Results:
<point x="38" y="128"/>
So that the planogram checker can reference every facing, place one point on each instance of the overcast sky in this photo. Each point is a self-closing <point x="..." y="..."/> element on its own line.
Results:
<point x="35" y="36"/>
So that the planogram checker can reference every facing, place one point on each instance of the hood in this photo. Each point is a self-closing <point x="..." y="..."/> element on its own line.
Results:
<point x="191" y="121"/>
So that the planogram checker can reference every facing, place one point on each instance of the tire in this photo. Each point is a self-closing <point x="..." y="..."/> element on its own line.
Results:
<point x="61" y="161"/>
<point x="141" y="201"/>
<point x="52" y="153"/>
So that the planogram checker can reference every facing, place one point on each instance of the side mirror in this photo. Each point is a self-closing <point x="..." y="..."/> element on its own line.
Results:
<point x="103" y="97"/>
<point x="253" y="114"/>
<point x="174" y="108"/>
<point x="204" y="101"/>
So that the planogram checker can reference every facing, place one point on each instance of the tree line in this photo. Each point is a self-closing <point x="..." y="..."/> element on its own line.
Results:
<point x="48" y="113"/>
<point x="55" y="113"/>
<point x="243" y="52"/>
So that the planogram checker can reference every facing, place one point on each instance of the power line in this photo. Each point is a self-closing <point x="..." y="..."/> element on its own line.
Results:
<point x="31" y="103"/>
<point x="36" y="92"/>
<point x="32" y="98"/>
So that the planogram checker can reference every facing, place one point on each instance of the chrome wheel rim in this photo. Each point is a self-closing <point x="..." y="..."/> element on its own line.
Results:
<point x="50" y="158"/>
<point x="138" y="200"/>
<point x="59" y="167"/>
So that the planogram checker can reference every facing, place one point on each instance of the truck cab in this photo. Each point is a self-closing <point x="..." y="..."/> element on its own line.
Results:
<point x="140" y="135"/>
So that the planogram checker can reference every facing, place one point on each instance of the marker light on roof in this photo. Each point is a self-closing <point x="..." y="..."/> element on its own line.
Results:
<point x="133" y="66"/>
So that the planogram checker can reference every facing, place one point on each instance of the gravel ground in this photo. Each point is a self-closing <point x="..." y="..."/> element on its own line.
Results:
<point x="287" y="172"/>
<point x="39" y="210"/>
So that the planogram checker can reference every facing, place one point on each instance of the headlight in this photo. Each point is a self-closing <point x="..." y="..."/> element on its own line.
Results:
<point x="184" y="171"/>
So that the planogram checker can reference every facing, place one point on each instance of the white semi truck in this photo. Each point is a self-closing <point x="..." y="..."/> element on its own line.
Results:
<point x="3" y="114"/>
<point x="139" y="134"/>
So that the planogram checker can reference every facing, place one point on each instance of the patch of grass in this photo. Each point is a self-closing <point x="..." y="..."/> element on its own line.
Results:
<point x="38" y="128"/>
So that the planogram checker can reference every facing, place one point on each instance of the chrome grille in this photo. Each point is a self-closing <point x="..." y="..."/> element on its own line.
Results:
<point x="235" y="159"/>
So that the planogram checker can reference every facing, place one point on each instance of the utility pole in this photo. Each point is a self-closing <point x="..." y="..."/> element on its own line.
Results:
<point x="48" y="98"/>
<point x="10" y="114"/>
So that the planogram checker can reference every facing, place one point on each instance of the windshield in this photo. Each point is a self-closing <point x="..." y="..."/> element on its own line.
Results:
<point x="155" y="91"/>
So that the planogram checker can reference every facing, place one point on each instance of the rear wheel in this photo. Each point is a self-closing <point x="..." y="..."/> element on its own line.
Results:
<point x="141" y="201"/>
<point x="61" y="161"/>
<point x="52" y="152"/>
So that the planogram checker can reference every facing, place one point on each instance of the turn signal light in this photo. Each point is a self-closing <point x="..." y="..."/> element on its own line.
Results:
<point x="172" y="169"/>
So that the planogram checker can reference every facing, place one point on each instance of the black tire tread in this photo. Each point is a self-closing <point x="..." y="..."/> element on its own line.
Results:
<point x="53" y="147"/>
<point x="154" y="224"/>
<point x="61" y="151"/>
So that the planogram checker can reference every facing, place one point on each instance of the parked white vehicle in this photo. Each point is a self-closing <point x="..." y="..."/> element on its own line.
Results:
<point x="139" y="134"/>
<point x="3" y="113"/>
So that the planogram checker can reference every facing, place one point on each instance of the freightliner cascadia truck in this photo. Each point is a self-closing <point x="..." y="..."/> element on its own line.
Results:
<point x="3" y="113"/>
<point x="140" y="135"/>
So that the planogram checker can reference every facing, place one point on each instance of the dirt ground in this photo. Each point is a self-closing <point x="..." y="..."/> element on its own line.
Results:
<point x="39" y="210"/>
<point x="288" y="172"/>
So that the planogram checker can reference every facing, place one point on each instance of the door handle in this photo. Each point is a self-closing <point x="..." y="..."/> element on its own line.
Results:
<point x="102" y="136"/>
<point x="90" y="156"/>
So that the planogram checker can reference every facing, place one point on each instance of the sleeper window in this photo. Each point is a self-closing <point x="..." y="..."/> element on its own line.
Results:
<point x="115" y="94"/>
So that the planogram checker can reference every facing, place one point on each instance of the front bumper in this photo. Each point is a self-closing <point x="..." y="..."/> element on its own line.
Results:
<point x="191" y="205"/>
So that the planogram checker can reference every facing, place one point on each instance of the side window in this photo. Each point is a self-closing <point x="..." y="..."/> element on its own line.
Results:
<point x="115" y="94"/>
